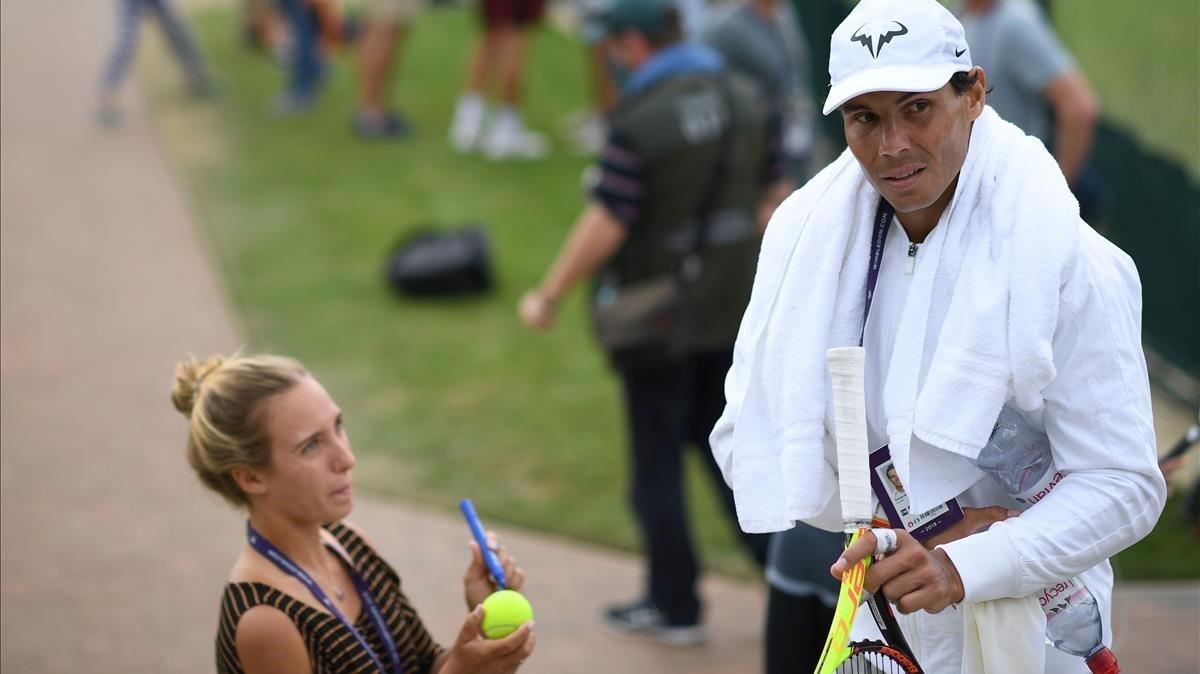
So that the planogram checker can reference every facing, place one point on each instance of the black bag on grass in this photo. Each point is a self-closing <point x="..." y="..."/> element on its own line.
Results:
<point x="441" y="264"/>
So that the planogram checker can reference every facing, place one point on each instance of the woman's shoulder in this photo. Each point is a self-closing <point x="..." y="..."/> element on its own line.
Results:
<point x="268" y="640"/>
<point x="254" y="581"/>
<point x="257" y="619"/>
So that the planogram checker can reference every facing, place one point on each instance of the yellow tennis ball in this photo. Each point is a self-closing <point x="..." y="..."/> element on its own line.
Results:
<point x="503" y="612"/>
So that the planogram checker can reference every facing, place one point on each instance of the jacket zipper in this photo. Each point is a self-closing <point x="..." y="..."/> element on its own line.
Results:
<point x="912" y="256"/>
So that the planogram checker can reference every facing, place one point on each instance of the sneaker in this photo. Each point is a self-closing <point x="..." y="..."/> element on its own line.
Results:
<point x="389" y="125"/>
<point x="293" y="102"/>
<point x="642" y="618"/>
<point x="513" y="142"/>
<point x="467" y="123"/>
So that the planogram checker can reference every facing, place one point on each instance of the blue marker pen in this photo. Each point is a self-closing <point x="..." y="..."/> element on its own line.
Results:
<point x="489" y="557"/>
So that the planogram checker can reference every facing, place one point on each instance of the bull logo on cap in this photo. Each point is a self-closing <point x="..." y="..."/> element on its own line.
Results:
<point x="878" y="34"/>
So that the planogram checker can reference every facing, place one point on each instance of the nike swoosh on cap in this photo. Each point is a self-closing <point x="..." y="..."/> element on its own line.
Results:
<point x="959" y="52"/>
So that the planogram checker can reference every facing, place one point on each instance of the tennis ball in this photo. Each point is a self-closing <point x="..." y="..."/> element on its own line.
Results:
<point x="503" y="612"/>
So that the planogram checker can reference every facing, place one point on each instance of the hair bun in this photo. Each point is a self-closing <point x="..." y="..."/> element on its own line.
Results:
<point x="189" y="375"/>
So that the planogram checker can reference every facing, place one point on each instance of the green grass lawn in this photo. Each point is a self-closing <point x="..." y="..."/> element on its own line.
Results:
<point x="443" y="399"/>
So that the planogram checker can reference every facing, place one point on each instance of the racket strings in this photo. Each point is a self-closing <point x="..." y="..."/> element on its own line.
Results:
<point x="873" y="657"/>
<point x="872" y="663"/>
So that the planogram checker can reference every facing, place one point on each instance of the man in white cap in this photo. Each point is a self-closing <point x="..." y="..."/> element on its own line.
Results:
<point x="947" y="243"/>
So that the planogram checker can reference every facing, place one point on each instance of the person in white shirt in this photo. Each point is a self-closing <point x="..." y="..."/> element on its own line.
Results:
<point x="987" y="291"/>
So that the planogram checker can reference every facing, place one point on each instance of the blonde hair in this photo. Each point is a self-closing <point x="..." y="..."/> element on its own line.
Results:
<point x="222" y="397"/>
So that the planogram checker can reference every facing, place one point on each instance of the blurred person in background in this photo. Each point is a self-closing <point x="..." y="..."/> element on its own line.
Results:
<point x="315" y="28"/>
<point x="386" y="27"/>
<point x="304" y="62"/>
<point x="129" y="14"/>
<point x="587" y="128"/>
<point x="498" y="60"/>
<point x="817" y="21"/>
<point x="309" y="592"/>
<point x="801" y="596"/>
<point x="762" y="40"/>
<point x="690" y="143"/>
<point x="1036" y="85"/>
<point x="262" y="29"/>
<point x="694" y="16"/>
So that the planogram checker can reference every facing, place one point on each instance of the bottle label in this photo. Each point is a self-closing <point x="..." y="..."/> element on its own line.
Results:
<point x="893" y="499"/>
<point x="1040" y="489"/>
<point x="1059" y="596"/>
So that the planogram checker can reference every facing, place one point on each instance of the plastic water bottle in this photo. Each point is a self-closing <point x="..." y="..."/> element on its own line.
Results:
<point x="1018" y="457"/>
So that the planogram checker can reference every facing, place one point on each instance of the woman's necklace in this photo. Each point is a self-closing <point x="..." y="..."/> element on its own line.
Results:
<point x="330" y="581"/>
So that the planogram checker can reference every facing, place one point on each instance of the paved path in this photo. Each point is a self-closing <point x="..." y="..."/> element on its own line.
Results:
<point x="112" y="557"/>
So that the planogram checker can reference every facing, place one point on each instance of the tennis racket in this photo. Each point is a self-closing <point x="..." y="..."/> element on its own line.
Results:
<point x="839" y="656"/>
<point x="1190" y="437"/>
<point x="890" y="656"/>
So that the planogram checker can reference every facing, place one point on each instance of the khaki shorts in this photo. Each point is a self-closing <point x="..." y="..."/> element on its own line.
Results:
<point x="402" y="11"/>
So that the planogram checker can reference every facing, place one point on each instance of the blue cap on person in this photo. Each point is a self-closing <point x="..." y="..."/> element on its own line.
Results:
<point x="894" y="45"/>
<point x="645" y="16"/>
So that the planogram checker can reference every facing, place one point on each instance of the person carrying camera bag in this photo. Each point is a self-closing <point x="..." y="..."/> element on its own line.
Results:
<point x="689" y="174"/>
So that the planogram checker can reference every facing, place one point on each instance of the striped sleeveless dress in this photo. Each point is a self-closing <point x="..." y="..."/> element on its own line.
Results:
<point x="331" y="647"/>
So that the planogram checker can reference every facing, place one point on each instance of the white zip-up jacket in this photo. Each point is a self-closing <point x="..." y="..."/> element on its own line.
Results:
<point x="1097" y="416"/>
<point x="1093" y="405"/>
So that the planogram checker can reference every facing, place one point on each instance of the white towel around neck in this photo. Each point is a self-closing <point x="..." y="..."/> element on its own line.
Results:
<point x="976" y="330"/>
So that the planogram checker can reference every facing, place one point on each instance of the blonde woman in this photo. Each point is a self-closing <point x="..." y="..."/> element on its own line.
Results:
<point x="309" y="593"/>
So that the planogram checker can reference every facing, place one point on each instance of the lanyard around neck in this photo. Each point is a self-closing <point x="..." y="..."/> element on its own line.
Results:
<point x="267" y="549"/>
<point x="883" y="220"/>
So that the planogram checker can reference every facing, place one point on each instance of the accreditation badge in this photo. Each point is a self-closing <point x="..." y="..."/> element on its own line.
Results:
<point x="893" y="501"/>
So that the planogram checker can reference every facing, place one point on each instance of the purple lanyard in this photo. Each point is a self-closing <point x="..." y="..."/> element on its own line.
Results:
<point x="268" y="550"/>
<point x="883" y="219"/>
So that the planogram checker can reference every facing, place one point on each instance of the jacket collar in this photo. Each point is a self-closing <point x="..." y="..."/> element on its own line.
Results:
<point x="683" y="58"/>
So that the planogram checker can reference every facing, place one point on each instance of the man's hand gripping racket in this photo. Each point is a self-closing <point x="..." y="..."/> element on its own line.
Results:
<point x="846" y="367"/>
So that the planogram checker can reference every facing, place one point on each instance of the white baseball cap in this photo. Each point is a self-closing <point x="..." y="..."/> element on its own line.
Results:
<point x="894" y="45"/>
